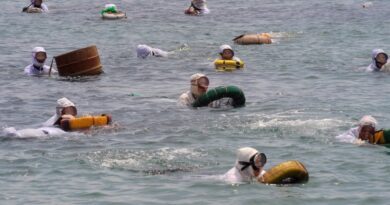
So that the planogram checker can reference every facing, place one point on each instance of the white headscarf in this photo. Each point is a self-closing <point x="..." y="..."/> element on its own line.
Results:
<point x="194" y="83"/>
<point x="200" y="4"/>
<point x="244" y="155"/>
<point x="368" y="120"/>
<point x="224" y="47"/>
<point x="34" y="60"/>
<point x="61" y="103"/>
<point x="374" y="54"/>
<point x="144" y="51"/>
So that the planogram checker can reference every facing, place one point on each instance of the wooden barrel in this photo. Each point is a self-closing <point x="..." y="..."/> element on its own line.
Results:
<point x="81" y="62"/>
<point x="246" y="39"/>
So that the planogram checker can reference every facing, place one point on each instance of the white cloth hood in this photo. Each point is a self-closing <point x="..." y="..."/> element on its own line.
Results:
<point x="143" y="51"/>
<point x="61" y="103"/>
<point x="34" y="60"/>
<point x="196" y="76"/>
<point x="194" y="83"/>
<point x="374" y="54"/>
<point x="64" y="102"/>
<point x="244" y="155"/>
<point x="224" y="47"/>
<point x="368" y="120"/>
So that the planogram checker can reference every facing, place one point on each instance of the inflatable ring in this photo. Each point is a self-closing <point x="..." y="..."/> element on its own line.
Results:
<point x="85" y="122"/>
<point x="32" y="9"/>
<point x="246" y="39"/>
<point x="221" y="92"/>
<point x="228" y="65"/>
<point x="113" y="16"/>
<point x="289" y="172"/>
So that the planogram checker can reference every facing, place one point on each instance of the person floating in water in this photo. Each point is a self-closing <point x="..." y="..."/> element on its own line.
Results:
<point x="248" y="167"/>
<point x="379" y="59"/>
<point x="226" y="53"/>
<point x="65" y="109"/>
<point x="199" y="85"/>
<point x="38" y="66"/>
<point x="366" y="131"/>
<point x="197" y="7"/>
<point x="36" y="4"/>
<point x="144" y="51"/>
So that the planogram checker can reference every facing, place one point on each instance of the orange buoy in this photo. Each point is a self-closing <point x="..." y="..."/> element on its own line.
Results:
<point x="246" y="39"/>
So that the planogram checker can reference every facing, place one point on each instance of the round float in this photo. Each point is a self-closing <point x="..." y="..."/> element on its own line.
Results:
<point x="246" y="39"/>
<point x="228" y="65"/>
<point x="113" y="16"/>
<point x="32" y="9"/>
<point x="217" y="93"/>
<point x="290" y="172"/>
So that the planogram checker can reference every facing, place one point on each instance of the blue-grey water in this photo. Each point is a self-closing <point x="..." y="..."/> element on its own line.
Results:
<point x="301" y="92"/>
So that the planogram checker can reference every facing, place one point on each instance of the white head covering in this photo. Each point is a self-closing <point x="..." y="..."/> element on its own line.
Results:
<point x="200" y="4"/>
<point x="368" y="120"/>
<point x="374" y="54"/>
<point x="244" y="155"/>
<point x="64" y="102"/>
<point x="34" y="52"/>
<point x="194" y="83"/>
<point x="110" y="5"/>
<point x="224" y="47"/>
<point x="143" y="51"/>
<point x="61" y="103"/>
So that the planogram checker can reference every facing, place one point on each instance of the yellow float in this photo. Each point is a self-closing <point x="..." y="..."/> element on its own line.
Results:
<point x="85" y="122"/>
<point x="246" y="39"/>
<point x="228" y="65"/>
<point x="289" y="172"/>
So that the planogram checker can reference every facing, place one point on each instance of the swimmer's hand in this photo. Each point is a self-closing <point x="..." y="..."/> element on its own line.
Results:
<point x="67" y="117"/>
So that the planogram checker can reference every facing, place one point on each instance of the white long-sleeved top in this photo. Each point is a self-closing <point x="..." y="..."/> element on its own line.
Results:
<point x="32" y="70"/>
<point x="350" y="136"/>
<point x="187" y="99"/>
<point x="234" y="176"/>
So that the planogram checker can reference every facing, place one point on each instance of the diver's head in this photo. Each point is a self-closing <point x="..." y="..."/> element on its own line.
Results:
<point x="226" y="52"/>
<point x="367" y="127"/>
<point x="199" y="84"/>
<point x="250" y="162"/>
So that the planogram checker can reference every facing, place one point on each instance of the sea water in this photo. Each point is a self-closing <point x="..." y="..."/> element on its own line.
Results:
<point x="302" y="91"/>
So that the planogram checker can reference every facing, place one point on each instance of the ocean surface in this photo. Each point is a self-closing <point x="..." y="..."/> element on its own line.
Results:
<point x="302" y="91"/>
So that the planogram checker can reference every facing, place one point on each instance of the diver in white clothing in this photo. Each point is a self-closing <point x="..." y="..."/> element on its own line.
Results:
<point x="38" y="66"/>
<point x="226" y="53"/>
<point x="199" y="85"/>
<point x="65" y="109"/>
<point x="364" y="131"/>
<point x="144" y="51"/>
<point x="248" y="167"/>
<point x="379" y="59"/>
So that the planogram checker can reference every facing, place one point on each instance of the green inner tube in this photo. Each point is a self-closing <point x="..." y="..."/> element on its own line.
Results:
<point x="217" y="93"/>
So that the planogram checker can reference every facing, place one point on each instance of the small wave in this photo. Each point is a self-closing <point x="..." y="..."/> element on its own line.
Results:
<point x="151" y="162"/>
<point x="318" y="124"/>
